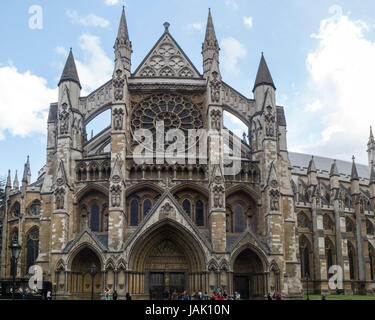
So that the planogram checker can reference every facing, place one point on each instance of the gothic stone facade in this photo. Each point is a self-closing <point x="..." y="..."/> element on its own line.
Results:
<point x="184" y="226"/>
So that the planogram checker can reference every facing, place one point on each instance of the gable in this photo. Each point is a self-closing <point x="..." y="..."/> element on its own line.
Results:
<point x="166" y="60"/>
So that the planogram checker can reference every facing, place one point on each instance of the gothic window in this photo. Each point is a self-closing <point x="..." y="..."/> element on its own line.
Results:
<point x="328" y="197"/>
<point x="327" y="223"/>
<point x="303" y="221"/>
<point x="305" y="258"/>
<point x="134" y="207"/>
<point x="35" y="209"/>
<point x="349" y="225"/>
<point x="347" y="201"/>
<point x="16" y="210"/>
<point x="372" y="261"/>
<point x="105" y="219"/>
<point x="238" y="219"/>
<point x="329" y="253"/>
<point x="351" y="263"/>
<point x="147" y="205"/>
<point x="95" y="212"/>
<point x="14" y="238"/>
<point x="32" y="247"/>
<point x="199" y="214"/>
<point x="174" y="111"/>
<point x="186" y="205"/>
<point x="369" y="227"/>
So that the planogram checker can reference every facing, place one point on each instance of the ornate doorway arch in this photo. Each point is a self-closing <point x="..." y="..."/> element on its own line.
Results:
<point x="80" y="278"/>
<point x="249" y="274"/>
<point x="167" y="258"/>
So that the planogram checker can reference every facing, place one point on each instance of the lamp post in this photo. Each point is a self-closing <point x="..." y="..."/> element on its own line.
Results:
<point x="307" y="279"/>
<point x="93" y="272"/>
<point x="15" y="251"/>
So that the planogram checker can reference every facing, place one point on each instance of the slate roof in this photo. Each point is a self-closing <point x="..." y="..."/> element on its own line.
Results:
<point x="300" y="160"/>
<point x="52" y="116"/>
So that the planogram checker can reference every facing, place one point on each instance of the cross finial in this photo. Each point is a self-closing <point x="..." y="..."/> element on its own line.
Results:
<point x="166" y="26"/>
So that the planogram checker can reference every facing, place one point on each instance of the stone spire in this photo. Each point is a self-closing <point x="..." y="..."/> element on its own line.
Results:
<point x="371" y="148"/>
<point x="263" y="76"/>
<point x="354" y="175"/>
<point x="123" y="46"/>
<point x="334" y="171"/>
<point x="9" y="183"/>
<point x="372" y="175"/>
<point x="210" y="47"/>
<point x="312" y="173"/>
<point x="312" y="167"/>
<point x="15" y="182"/>
<point x="27" y="172"/>
<point x="70" y="71"/>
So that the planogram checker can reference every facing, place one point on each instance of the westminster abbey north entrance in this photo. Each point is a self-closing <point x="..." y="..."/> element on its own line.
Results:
<point x="165" y="261"/>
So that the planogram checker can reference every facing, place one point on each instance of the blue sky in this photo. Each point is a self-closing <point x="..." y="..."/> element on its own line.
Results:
<point x="321" y="55"/>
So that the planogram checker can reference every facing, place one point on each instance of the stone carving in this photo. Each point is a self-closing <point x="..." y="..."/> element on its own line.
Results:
<point x="274" y="200"/>
<point x="118" y="85"/>
<point x="59" y="199"/>
<point x="215" y="119"/>
<point x="215" y="85"/>
<point x="270" y="122"/>
<point x="218" y="196"/>
<point x="118" y="119"/>
<point x="116" y="196"/>
<point x="167" y="211"/>
<point x="64" y="120"/>
<point x="167" y="60"/>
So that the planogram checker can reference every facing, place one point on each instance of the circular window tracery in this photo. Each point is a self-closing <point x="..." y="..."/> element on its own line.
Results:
<point x="175" y="111"/>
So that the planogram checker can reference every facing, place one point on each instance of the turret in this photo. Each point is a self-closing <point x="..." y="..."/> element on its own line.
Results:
<point x="26" y="179"/>
<point x="371" y="148"/>
<point x="16" y="185"/>
<point x="264" y="87"/>
<point x="123" y="46"/>
<point x="372" y="181"/>
<point x="8" y="186"/>
<point x="334" y="176"/>
<point x="312" y="173"/>
<point x="210" y="47"/>
<point x="354" y="179"/>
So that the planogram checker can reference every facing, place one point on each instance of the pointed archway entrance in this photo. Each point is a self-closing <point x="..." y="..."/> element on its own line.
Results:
<point x="80" y="279"/>
<point x="168" y="258"/>
<point x="249" y="276"/>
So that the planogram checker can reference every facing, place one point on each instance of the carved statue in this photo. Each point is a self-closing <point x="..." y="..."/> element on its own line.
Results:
<point x="64" y="120"/>
<point x="118" y="85"/>
<point x="215" y="85"/>
<point x="270" y="123"/>
<point x="118" y="116"/>
<point x="59" y="199"/>
<point x="218" y="196"/>
<point x="216" y="119"/>
<point x="116" y="196"/>
<point x="274" y="200"/>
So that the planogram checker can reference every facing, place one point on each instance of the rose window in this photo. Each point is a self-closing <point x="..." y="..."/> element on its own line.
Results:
<point x="175" y="111"/>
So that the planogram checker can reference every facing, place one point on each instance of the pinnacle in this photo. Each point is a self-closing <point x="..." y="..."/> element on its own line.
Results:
<point x="263" y="76"/>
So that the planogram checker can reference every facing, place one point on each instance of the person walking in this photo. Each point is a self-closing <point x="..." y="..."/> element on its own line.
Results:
<point x="128" y="296"/>
<point x="115" y="295"/>
<point x="49" y="295"/>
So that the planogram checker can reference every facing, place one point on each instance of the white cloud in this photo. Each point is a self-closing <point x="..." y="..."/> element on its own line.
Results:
<point x="61" y="51"/>
<point x="96" y="67"/>
<point x="248" y="22"/>
<point x="341" y="71"/>
<point x="90" y="20"/>
<point x="231" y="3"/>
<point x="111" y="2"/>
<point x="314" y="106"/>
<point x="232" y="51"/>
<point x="197" y="26"/>
<point x="24" y="102"/>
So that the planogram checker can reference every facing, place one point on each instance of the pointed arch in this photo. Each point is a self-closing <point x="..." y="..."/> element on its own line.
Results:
<point x="121" y="264"/>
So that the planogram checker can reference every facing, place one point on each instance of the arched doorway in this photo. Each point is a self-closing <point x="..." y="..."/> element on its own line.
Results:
<point x="80" y="282"/>
<point x="168" y="258"/>
<point x="249" y="277"/>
